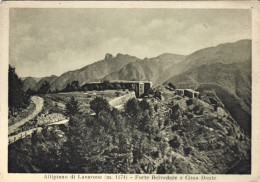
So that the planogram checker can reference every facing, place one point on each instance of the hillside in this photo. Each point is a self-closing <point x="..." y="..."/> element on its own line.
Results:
<point x="28" y="82"/>
<point x="49" y="79"/>
<point x="175" y="136"/>
<point x="35" y="78"/>
<point x="35" y="83"/>
<point x="93" y="72"/>
<point x="231" y="82"/>
<point x="161" y="68"/>
<point x="157" y="69"/>
<point x="227" y="53"/>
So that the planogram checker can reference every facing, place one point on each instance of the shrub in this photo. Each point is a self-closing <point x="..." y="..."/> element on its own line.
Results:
<point x="72" y="107"/>
<point x="198" y="109"/>
<point x="188" y="150"/>
<point x="175" y="142"/>
<point x="156" y="107"/>
<point x="175" y="112"/>
<point x="45" y="88"/>
<point x="98" y="104"/>
<point x="132" y="107"/>
<point x="189" y="115"/>
<point x="189" y="102"/>
<point x="166" y="168"/>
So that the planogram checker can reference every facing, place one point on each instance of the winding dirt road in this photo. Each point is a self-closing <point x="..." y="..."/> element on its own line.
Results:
<point x="38" y="101"/>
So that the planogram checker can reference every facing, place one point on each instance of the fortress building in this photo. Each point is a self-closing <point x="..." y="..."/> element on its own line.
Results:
<point x="188" y="92"/>
<point x="140" y="88"/>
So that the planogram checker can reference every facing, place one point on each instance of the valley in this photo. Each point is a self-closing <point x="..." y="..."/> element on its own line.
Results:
<point x="185" y="114"/>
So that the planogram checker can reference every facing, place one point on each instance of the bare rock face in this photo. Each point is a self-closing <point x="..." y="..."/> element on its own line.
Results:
<point x="108" y="56"/>
<point x="93" y="72"/>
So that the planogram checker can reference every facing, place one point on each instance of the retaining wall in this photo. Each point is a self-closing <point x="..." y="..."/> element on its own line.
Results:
<point x="122" y="99"/>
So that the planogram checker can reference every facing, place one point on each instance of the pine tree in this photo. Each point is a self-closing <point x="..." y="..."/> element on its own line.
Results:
<point x="72" y="107"/>
<point x="99" y="104"/>
<point x="17" y="98"/>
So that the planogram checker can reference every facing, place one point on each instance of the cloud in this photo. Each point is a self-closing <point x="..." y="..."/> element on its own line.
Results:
<point x="52" y="41"/>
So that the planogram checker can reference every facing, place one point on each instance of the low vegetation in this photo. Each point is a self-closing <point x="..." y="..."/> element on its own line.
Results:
<point x="17" y="98"/>
<point x="148" y="136"/>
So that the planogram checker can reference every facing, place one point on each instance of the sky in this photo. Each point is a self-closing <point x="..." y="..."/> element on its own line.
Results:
<point x="49" y="41"/>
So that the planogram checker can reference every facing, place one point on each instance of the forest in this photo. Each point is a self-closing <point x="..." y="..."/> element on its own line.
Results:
<point x="178" y="135"/>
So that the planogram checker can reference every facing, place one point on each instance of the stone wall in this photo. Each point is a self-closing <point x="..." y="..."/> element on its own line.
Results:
<point x="122" y="99"/>
<point x="50" y="118"/>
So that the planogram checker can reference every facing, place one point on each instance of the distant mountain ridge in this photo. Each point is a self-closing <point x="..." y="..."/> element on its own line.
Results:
<point x="49" y="79"/>
<point x="224" y="69"/>
<point x="161" y="68"/>
<point x="158" y="69"/>
<point x="34" y="83"/>
<point x="150" y="69"/>
<point x="28" y="82"/>
<point x="93" y="72"/>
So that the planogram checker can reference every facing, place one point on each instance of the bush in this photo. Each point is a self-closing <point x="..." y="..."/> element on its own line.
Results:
<point x="45" y="88"/>
<point x="73" y="86"/>
<point x="175" y="112"/>
<point x="189" y="102"/>
<point x="156" y="107"/>
<point x="72" y="107"/>
<point x="198" y="109"/>
<point x="166" y="168"/>
<point x="132" y="107"/>
<point x="99" y="104"/>
<point x="189" y="115"/>
<point x="188" y="150"/>
<point x="175" y="142"/>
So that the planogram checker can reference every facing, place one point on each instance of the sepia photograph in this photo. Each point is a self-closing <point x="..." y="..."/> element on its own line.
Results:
<point x="143" y="91"/>
<point x="158" y="91"/>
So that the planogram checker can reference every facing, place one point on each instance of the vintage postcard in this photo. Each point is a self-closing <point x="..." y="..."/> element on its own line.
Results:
<point x="129" y="91"/>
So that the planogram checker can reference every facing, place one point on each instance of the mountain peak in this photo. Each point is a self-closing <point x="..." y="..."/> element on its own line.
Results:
<point x="108" y="56"/>
<point x="120" y="55"/>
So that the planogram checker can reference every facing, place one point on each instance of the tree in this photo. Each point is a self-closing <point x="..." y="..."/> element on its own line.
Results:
<point x="16" y="96"/>
<point x="132" y="107"/>
<point x="30" y="91"/>
<point x="72" y="107"/>
<point x="175" y="142"/>
<point x="106" y="84"/>
<point x="175" y="112"/>
<point x="73" y="86"/>
<point x="45" y="88"/>
<point x="98" y="104"/>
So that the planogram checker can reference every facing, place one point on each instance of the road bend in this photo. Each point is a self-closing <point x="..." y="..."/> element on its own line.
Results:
<point x="38" y="101"/>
